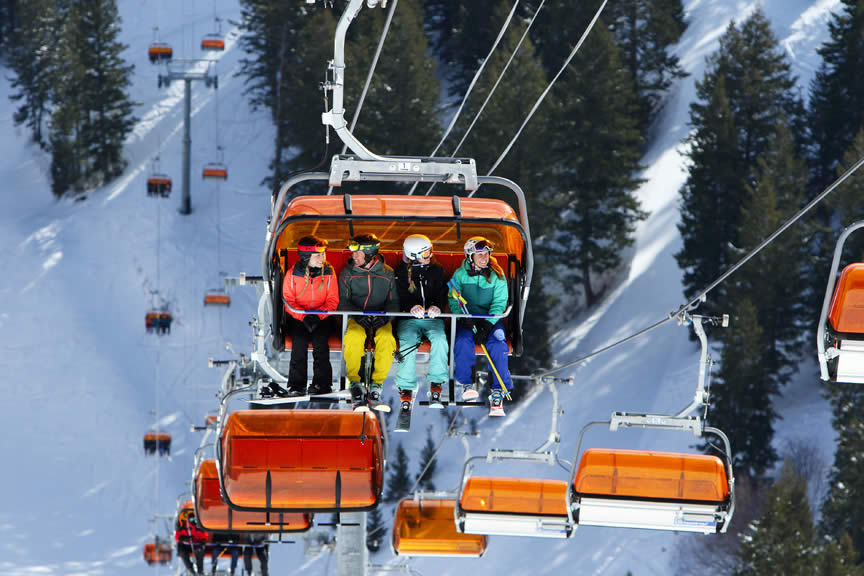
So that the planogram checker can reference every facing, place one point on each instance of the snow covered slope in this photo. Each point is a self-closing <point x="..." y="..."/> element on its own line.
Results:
<point x="80" y="372"/>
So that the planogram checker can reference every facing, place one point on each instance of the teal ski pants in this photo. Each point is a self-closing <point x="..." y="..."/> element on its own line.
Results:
<point x="410" y="332"/>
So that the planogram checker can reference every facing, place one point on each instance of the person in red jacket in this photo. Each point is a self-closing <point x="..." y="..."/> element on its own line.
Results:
<point x="311" y="285"/>
<point x="190" y="539"/>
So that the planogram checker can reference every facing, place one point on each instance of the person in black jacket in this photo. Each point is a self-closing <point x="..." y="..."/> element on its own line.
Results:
<point x="422" y="286"/>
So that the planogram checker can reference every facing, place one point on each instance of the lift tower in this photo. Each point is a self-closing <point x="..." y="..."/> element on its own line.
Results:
<point x="188" y="71"/>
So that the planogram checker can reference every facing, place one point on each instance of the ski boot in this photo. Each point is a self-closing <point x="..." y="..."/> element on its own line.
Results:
<point x="469" y="392"/>
<point x="358" y="397"/>
<point x="496" y="404"/>
<point x="435" y="396"/>
<point x="319" y="389"/>
<point x="403" y="422"/>
<point x="295" y="390"/>
<point x="374" y="397"/>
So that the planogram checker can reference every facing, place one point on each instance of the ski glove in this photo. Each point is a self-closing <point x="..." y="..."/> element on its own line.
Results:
<point x="466" y="323"/>
<point x="364" y="321"/>
<point x="483" y="330"/>
<point x="378" y="321"/>
<point x="433" y="312"/>
<point x="417" y="311"/>
<point x="311" y="321"/>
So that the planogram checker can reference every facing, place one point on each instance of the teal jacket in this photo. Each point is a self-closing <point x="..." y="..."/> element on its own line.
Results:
<point x="483" y="296"/>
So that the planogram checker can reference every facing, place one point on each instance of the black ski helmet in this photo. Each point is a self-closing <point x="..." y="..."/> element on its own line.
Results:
<point x="309" y="245"/>
<point x="368" y="243"/>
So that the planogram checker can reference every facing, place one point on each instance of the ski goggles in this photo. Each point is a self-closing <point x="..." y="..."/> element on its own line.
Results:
<point x="319" y="247"/>
<point x="483" y="246"/>
<point x="421" y="255"/>
<point x="354" y="246"/>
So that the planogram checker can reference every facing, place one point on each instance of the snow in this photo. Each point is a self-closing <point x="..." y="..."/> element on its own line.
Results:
<point x="81" y="371"/>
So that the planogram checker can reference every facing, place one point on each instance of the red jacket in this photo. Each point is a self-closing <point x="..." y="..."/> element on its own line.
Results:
<point x="190" y="533"/>
<point x="303" y="294"/>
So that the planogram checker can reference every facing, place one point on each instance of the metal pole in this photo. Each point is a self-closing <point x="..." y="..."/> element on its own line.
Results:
<point x="186" y="201"/>
<point x="353" y="557"/>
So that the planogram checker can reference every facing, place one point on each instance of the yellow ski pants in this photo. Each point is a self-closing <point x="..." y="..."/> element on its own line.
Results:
<point x="354" y="347"/>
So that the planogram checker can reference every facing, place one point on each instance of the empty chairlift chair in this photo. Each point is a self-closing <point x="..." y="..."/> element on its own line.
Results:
<point x="216" y="516"/>
<point x="656" y="490"/>
<point x="509" y="506"/>
<point x="301" y="461"/>
<point x="425" y="526"/>
<point x="217" y="298"/>
<point x="215" y="171"/>
<point x="213" y="43"/>
<point x="840" y="337"/>
<point x="158" y="551"/>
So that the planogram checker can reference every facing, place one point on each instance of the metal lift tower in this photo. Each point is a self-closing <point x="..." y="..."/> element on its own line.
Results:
<point x="188" y="71"/>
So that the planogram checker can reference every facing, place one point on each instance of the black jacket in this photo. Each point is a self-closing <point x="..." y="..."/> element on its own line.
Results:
<point x="430" y="286"/>
<point x="369" y="290"/>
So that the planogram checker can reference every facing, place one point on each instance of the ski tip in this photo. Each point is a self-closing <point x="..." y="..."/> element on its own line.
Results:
<point x="382" y="408"/>
<point x="361" y="409"/>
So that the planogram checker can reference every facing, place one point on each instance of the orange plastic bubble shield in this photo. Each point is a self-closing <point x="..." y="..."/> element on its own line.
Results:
<point x="656" y="475"/>
<point x="427" y="528"/>
<point x="847" y="305"/>
<point x="314" y="459"/>
<point x="157" y="553"/>
<point x="213" y="514"/>
<point x="515" y="496"/>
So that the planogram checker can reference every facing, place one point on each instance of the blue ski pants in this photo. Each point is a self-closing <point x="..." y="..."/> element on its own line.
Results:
<point x="464" y="357"/>
<point x="410" y="331"/>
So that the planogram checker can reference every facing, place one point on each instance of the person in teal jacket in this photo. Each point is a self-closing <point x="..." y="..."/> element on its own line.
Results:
<point x="483" y="286"/>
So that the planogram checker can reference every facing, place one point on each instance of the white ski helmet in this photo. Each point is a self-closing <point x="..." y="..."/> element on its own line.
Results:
<point x="477" y="244"/>
<point x="417" y="246"/>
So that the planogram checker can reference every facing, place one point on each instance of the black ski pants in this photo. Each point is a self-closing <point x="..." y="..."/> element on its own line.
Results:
<point x="322" y="372"/>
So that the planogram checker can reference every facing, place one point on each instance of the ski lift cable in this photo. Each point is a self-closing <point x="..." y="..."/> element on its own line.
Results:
<point x="425" y="468"/>
<point x="472" y="84"/>
<point x="494" y="86"/>
<point x="695" y="301"/>
<point x="546" y="91"/>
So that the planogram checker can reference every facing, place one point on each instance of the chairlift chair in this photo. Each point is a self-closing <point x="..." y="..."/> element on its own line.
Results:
<point x="157" y="442"/>
<point x="158" y="321"/>
<point x="214" y="171"/>
<point x="449" y="221"/>
<point x="513" y="506"/>
<point x="159" y="185"/>
<point x="300" y="460"/>
<point x="160" y="52"/>
<point x="840" y="337"/>
<point x="217" y="297"/>
<point x="158" y="551"/>
<point x="216" y="516"/>
<point x="425" y="526"/>
<point x="213" y="42"/>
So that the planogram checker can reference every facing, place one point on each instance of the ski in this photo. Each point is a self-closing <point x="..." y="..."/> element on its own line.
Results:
<point x="403" y="422"/>
<point x="330" y="397"/>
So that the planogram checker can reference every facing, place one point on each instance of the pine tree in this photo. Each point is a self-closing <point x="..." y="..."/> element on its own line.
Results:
<point x="839" y="558"/>
<point x="594" y="161"/>
<point x="400" y="114"/>
<point x="747" y="89"/>
<point x="106" y="109"/>
<point x="33" y="58"/>
<point x="843" y="508"/>
<point x="782" y="540"/>
<point x="427" y="456"/>
<point x="644" y="30"/>
<point x="836" y="111"/>
<point x="779" y="270"/>
<point x="743" y="391"/>
<point x="375" y="531"/>
<point x="399" y="479"/>
<point x="8" y="22"/>
<point x="845" y="205"/>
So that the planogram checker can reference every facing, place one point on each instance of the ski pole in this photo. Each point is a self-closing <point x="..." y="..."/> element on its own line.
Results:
<point x="463" y="306"/>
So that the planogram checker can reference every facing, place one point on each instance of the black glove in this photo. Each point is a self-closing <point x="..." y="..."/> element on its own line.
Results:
<point x="466" y="323"/>
<point x="379" y="321"/>
<point x="364" y="321"/>
<point x="310" y="321"/>
<point x="483" y="330"/>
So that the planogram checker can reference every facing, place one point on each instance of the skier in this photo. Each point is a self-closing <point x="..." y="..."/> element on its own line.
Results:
<point x="366" y="284"/>
<point x="483" y="286"/>
<point x="257" y="544"/>
<point x="311" y="285"/>
<point x="190" y="540"/>
<point x="422" y="286"/>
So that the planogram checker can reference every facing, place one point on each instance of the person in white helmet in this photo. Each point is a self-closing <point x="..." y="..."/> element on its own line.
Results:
<point x="483" y="286"/>
<point x="422" y="286"/>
